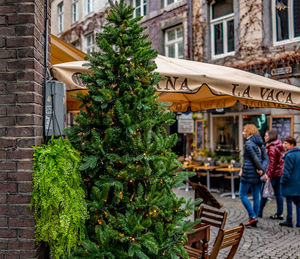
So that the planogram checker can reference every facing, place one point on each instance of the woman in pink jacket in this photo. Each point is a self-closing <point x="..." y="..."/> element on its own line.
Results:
<point x="274" y="171"/>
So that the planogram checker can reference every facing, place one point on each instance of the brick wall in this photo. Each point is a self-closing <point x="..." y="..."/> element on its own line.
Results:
<point x="21" y="82"/>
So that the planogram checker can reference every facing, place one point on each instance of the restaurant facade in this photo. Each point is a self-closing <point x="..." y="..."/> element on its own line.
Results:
<point x="261" y="37"/>
<point x="258" y="48"/>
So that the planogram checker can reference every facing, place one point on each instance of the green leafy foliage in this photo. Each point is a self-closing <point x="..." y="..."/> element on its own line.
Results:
<point x="58" y="198"/>
<point x="128" y="166"/>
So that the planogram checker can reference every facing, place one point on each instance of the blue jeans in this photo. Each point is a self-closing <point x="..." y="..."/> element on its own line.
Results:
<point x="289" y="207"/>
<point x="255" y="190"/>
<point x="277" y="193"/>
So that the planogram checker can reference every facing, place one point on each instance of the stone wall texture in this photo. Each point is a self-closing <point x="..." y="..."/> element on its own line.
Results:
<point x="22" y="30"/>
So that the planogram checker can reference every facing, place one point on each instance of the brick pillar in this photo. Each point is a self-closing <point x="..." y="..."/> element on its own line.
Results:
<point x="21" y="111"/>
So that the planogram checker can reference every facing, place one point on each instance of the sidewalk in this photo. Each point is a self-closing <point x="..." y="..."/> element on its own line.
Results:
<point x="268" y="240"/>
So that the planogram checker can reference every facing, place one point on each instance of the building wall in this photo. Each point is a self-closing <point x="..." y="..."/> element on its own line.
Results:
<point x="82" y="13"/>
<point x="253" y="34"/>
<point x="21" y="106"/>
<point x="161" y="18"/>
<point x="255" y="50"/>
<point x="157" y="20"/>
<point x="86" y="23"/>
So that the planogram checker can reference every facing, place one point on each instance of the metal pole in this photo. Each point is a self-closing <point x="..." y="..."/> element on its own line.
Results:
<point x="45" y="62"/>
<point x="190" y="7"/>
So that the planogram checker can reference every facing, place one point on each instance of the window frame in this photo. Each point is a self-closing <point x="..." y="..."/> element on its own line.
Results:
<point x="175" y="42"/>
<point x="60" y="17"/>
<point x="166" y="2"/>
<point x="90" y="6"/>
<point x="89" y="49"/>
<point x="144" y="3"/>
<point x="292" y="38"/>
<point x="75" y="7"/>
<point x="224" y="20"/>
<point x="76" y="44"/>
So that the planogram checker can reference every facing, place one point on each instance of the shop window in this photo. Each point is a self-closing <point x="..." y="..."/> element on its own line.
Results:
<point x="89" y="43"/>
<point x="174" y="42"/>
<point x="140" y="7"/>
<point x="286" y="20"/>
<point x="74" y="10"/>
<point x="226" y="132"/>
<point x="60" y="15"/>
<point x="222" y="27"/>
<point x="261" y="121"/>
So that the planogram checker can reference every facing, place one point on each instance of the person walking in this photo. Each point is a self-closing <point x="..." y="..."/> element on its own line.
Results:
<point x="290" y="181"/>
<point x="255" y="163"/>
<point x="274" y="171"/>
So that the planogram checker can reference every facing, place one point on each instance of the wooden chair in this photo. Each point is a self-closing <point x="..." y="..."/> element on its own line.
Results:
<point x="228" y="177"/>
<point x="211" y="216"/>
<point x="215" y="174"/>
<point x="201" y="173"/>
<point x="197" y="244"/>
<point x="193" y="252"/>
<point x="202" y="192"/>
<point x="226" y="238"/>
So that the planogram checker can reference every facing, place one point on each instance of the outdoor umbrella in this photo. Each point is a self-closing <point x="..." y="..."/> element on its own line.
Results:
<point x="63" y="52"/>
<point x="198" y="86"/>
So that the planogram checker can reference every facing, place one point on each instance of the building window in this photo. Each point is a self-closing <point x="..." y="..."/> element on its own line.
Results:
<point x="76" y="44"/>
<point x="89" y="43"/>
<point x="60" y="15"/>
<point x="168" y="2"/>
<point x="222" y="27"/>
<point x="286" y="20"/>
<point x="174" y="42"/>
<point x="90" y="6"/>
<point x="74" y="10"/>
<point x="140" y="7"/>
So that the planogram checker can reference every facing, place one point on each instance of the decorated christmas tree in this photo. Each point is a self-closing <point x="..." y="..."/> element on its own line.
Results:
<point x="128" y="166"/>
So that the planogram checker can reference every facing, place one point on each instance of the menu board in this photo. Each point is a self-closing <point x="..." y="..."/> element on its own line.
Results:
<point x="185" y="126"/>
<point x="284" y="124"/>
<point x="199" y="134"/>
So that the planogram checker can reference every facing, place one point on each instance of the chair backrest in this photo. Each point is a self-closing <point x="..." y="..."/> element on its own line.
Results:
<point x="211" y="216"/>
<point x="226" y="238"/>
<point x="202" y="192"/>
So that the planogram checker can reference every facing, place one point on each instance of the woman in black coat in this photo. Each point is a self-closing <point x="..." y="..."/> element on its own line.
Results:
<point x="255" y="163"/>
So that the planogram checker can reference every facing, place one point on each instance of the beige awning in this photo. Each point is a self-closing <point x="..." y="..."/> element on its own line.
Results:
<point x="200" y="86"/>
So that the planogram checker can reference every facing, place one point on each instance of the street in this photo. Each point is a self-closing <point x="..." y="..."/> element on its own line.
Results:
<point x="268" y="240"/>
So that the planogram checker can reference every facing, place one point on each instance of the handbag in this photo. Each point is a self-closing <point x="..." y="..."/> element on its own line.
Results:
<point x="268" y="191"/>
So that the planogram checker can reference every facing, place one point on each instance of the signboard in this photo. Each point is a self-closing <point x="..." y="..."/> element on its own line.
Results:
<point x="185" y="126"/>
<point x="281" y="71"/>
<point x="284" y="124"/>
<point x="199" y="134"/>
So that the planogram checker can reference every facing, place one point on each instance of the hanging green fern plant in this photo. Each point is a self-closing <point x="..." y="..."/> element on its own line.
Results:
<point x="58" y="197"/>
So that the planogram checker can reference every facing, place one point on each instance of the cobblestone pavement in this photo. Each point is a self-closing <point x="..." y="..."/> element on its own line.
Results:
<point x="267" y="241"/>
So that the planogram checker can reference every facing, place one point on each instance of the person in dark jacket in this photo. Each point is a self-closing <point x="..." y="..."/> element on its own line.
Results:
<point x="274" y="172"/>
<point x="290" y="181"/>
<point x="255" y="163"/>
